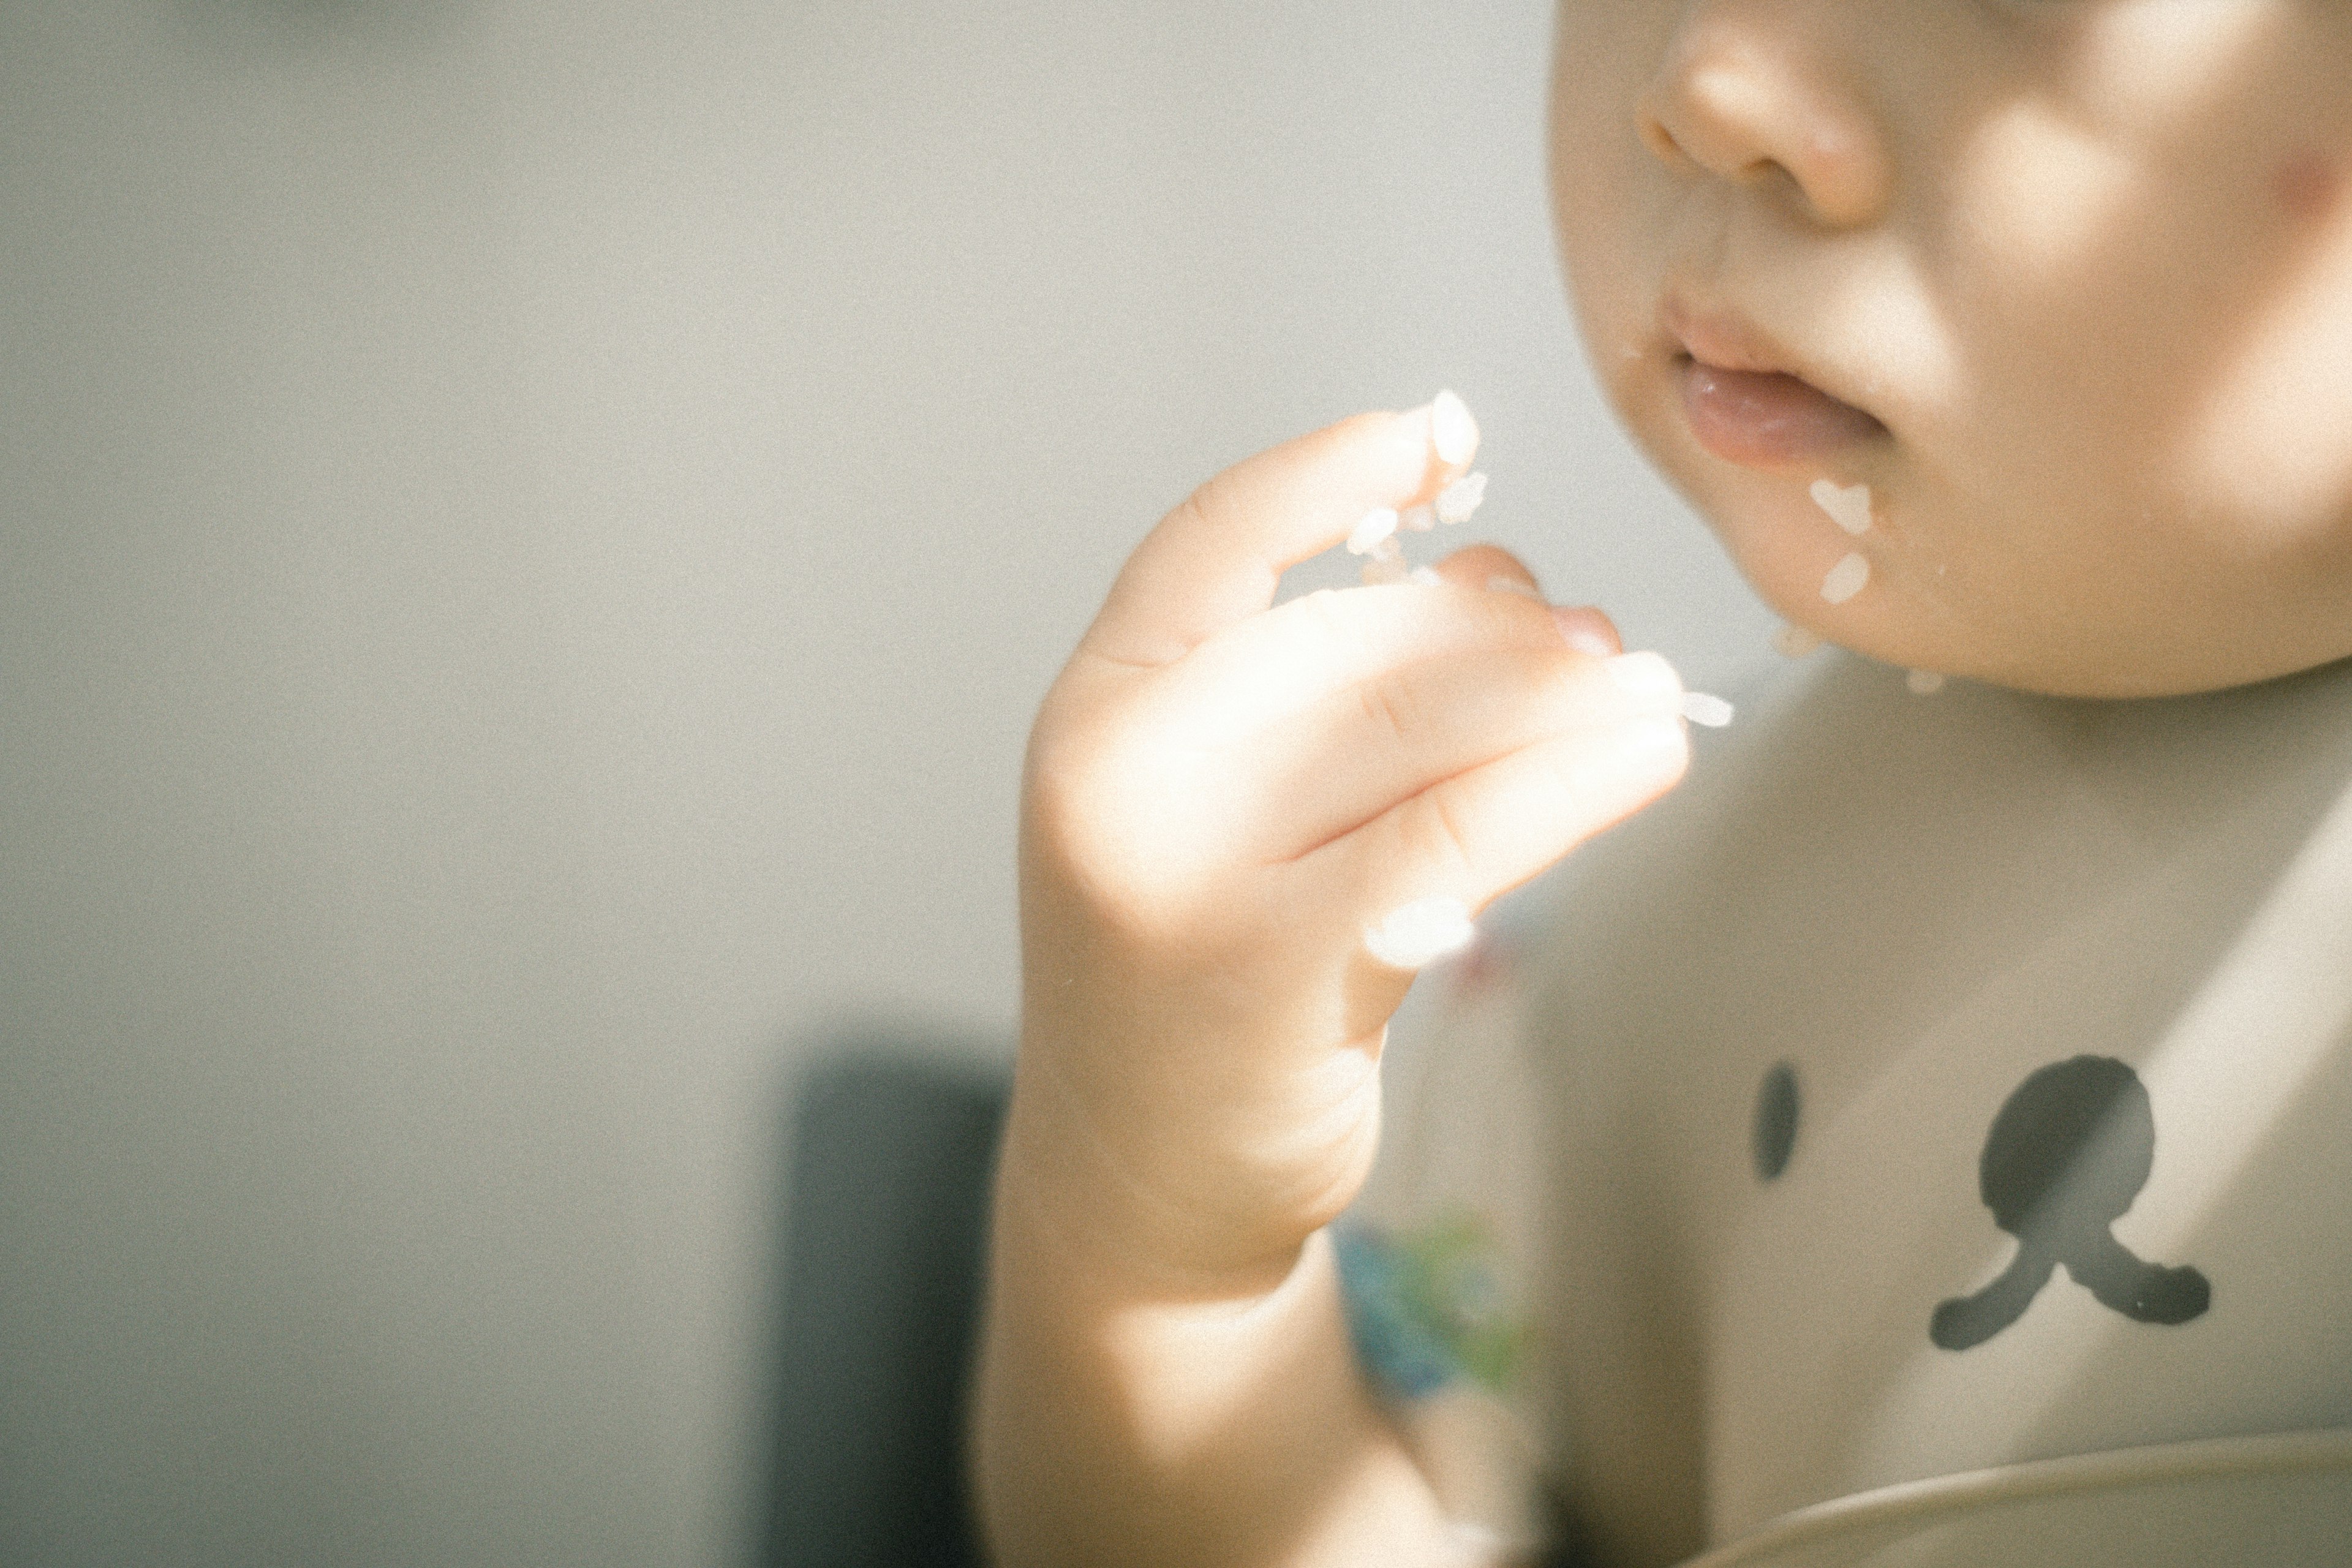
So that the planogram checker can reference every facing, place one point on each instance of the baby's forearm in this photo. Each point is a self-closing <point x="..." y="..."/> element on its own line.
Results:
<point x="1120" y="1421"/>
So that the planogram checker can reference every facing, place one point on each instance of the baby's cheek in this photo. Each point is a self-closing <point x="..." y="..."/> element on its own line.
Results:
<point x="2307" y="187"/>
<point x="2272" y="443"/>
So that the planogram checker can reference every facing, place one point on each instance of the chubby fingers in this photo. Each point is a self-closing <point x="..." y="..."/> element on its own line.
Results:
<point x="1496" y="570"/>
<point x="1217" y="557"/>
<point x="1474" y="836"/>
<point x="1272" y="668"/>
<point x="1409" y="730"/>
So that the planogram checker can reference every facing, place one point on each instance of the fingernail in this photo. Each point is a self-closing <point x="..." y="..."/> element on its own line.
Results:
<point x="1645" y="674"/>
<point x="1847" y="578"/>
<point x="1513" y="586"/>
<point x="1585" y="630"/>
<point x="1451" y="431"/>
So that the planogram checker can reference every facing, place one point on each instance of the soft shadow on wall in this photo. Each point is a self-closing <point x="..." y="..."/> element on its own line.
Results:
<point x="893" y="1142"/>
<point x="264" y="28"/>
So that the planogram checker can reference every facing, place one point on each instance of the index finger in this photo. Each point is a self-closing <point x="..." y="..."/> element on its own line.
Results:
<point x="1217" y="557"/>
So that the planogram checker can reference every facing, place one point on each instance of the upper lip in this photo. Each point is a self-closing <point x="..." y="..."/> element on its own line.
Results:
<point x="1728" y="341"/>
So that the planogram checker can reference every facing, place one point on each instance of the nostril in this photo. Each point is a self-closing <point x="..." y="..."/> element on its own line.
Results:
<point x="1664" y="147"/>
<point x="1696" y="150"/>
<point x="1652" y="118"/>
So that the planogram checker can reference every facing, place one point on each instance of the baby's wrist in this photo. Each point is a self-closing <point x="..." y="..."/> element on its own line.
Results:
<point x="1065" y="1205"/>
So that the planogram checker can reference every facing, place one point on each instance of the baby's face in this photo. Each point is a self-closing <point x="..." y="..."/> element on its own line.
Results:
<point x="2067" y="284"/>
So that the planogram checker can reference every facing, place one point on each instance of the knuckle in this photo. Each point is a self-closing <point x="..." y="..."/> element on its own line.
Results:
<point x="1562" y="687"/>
<point x="1327" y="625"/>
<point x="1211" y="506"/>
<point x="1116" y="817"/>
<point x="1066" y="794"/>
<point x="1569" y="778"/>
<point x="1079" y="783"/>
<point x="1436" y="831"/>
<point x="1323" y="614"/>
<point x="1390" y="707"/>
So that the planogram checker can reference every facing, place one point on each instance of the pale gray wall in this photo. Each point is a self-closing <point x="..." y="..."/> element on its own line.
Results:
<point x="529" y="536"/>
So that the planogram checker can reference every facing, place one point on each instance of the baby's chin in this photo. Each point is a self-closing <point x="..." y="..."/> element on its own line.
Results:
<point x="1904" y="608"/>
<point x="1863" y="554"/>
<point x="1933" y="637"/>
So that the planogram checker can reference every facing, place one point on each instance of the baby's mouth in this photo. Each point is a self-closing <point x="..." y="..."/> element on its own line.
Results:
<point x="1768" y="419"/>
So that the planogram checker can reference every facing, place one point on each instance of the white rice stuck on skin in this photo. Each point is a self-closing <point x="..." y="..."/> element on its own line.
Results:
<point x="1380" y="523"/>
<point x="1846" y="579"/>
<point x="1848" y="505"/>
<point x="1796" y="642"/>
<point x="1700" y="707"/>
<point x="1426" y="576"/>
<point x="1923" y="682"/>
<point x="1421" y="933"/>
<point x="1457" y="501"/>
<point x="1418" y="518"/>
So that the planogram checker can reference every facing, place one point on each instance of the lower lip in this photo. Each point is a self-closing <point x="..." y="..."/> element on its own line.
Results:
<point x="1764" y="421"/>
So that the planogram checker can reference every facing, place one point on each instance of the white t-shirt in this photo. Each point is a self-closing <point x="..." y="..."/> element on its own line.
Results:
<point x="1931" y="1086"/>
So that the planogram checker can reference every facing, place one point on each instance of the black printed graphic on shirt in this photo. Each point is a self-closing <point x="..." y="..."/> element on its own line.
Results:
<point x="2065" y="1159"/>
<point x="1773" y="1136"/>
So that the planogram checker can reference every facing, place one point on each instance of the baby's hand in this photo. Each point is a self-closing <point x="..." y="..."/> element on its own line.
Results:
<point x="1222" y="797"/>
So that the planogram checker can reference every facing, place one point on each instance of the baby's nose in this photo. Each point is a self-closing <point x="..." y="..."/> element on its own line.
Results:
<point x="1758" y="93"/>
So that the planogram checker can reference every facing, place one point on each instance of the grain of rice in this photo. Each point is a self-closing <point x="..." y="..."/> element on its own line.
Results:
<point x="1418" y="518"/>
<point x="1379" y="523"/>
<point x="1421" y="933"/>
<point x="1796" y="642"/>
<point x="1426" y="576"/>
<point x="1458" y="500"/>
<point x="1923" y="682"/>
<point x="1700" y="707"/>
<point x="1846" y="578"/>
<point x="1848" y="505"/>
<point x="1451" y="432"/>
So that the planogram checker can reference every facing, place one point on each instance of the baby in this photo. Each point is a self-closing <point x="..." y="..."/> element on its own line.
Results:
<point x="1938" y="1111"/>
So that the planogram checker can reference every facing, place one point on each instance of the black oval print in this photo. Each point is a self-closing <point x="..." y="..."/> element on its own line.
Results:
<point x="2065" y="1160"/>
<point x="1774" y="1135"/>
